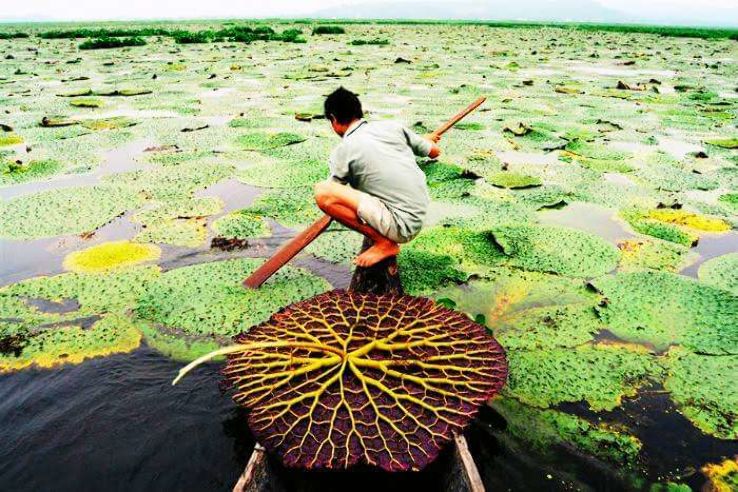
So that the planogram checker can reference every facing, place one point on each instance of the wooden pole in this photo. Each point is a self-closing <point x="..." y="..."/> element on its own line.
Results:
<point x="302" y="240"/>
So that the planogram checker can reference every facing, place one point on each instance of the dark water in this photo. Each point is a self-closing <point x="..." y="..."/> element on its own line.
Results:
<point x="116" y="423"/>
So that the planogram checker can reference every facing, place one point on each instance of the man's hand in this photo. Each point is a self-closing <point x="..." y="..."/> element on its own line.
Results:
<point x="433" y="137"/>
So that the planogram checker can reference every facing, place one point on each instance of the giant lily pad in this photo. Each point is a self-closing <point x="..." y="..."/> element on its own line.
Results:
<point x="224" y="307"/>
<point x="529" y="310"/>
<point x="704" y="389"/>
<point x="662" y="309"/>
<point x="73" y="344"/>
<point x="64" y="211"/>
<point x="721" y="272"/>
<point x="557" y="250"/>
<point x="545" y="429"/>
<point x="347" y="378"/>
<point x="600" y="374"/>
<point x="109" y="256"/>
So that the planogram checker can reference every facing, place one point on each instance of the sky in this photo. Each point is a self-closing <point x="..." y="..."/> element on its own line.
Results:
<point x="192" y="9"/>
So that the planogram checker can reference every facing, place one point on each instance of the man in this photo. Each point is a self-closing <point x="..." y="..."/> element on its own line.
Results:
<point x="386" y="198"/>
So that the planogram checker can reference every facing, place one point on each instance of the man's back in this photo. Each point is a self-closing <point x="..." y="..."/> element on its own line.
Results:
<point x="378" y="158"/>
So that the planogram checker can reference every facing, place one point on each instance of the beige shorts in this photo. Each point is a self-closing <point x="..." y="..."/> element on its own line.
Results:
<point x="374" y="213"/>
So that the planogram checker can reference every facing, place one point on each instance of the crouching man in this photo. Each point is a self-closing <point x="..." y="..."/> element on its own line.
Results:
<point x="375" y="186"/>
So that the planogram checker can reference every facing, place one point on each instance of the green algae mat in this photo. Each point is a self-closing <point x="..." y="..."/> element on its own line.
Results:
<point x="586" y="214"/>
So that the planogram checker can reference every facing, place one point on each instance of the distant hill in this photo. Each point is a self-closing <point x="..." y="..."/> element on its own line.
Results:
<point x="529" y="10"/>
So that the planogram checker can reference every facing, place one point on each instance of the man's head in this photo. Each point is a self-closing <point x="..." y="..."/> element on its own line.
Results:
<point x="342" y="107"/>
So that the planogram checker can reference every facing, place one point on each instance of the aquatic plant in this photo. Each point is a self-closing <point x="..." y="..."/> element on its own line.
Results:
<point x="547" y="429"/>
<point x="513" y="180"/>
<point x="652" y="254"/>
<point x="266" y="141"/>
<point x="677" y="226"/>
<point x="110" y="255"/>
<point x="723" y="477"/>
<point x="242" y="224"/>
<point x="73" y="344"/>
<point x="371" y="42"/>
<point x="292" y="207"/>
<point x="721" y="272"/>
<point x="21" y="172"/>
<point x="10" y="139"/>
<point x="423" y="272"/>
<point x="223" y="306"/>
<point x="346" y="378"/>
<point x="600" y="374"/>
<point x="556" y="249"/>
<point x="710" y="403"/>
<point x="662" y="309"/>
<point x="86" y="102"/>
<point x="64" y="211"/>
<point x="725" y="143"/>
<point x="529" y="310"/>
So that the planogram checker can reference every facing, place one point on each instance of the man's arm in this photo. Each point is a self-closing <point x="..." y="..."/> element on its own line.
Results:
<point x="423" y="146"/>
<point x="435" y="149"/>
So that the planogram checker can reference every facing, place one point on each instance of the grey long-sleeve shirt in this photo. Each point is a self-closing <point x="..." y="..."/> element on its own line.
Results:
<point x="378" y="158"/>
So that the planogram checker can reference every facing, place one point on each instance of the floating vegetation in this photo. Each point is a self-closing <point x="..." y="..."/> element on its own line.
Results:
<point x="678" y="226"/>
<point x="711" y="403"/>
<point x="86" y="102"/>
<point x="721" y="272"/>
<point x="223" y="306"/>
<point x="600" y="374"/>
<point x="14" y="172"/>
<point x="370" y="42"/>
<point x="546" y="429"/>
<point x="241" y="224"/>
<point x="556" y="250"/>
<point x="72" y="344"/>
<point x="652" y="254"/>
<point x="394" y="413"/>
<point x="513" y="180"/>
<point x="725" y="143"/>
<point x="10" y="139"/>
<point x="293" y="207"/>
<point x="529" y="310"/>
<point x="111" y="255"/>
<point x="661" y="309"/>
<point x="64" y="211"/>
<point x="723" y="477"/>
<point x="268" y="141"/>
<point x="422" y="272"/>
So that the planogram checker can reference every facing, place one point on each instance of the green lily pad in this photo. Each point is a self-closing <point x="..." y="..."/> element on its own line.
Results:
<point x="544" y="429"/>
<point x="422" y="272"/>
<point x="529" y="310"/>
<point x="242" y="224"/>
<point x="663" y="309"/>
<point x="73" y="344"/>
<point x="86" y="102"/>
<point x="602" y="375"/>
<point x="557" y="250"/>
<point x="266" y="141"/>
<point x="64" y="211"/>
<point x="513" y="180"/>
<point x="224" y="307"/>
<point x="704" y="389"/>
<point x="725" y="143"/>
<point x="14" y="173"/>
<point x="652" y="254"/>
<point x="721" y="272"/>
<point x="293" y="207"/>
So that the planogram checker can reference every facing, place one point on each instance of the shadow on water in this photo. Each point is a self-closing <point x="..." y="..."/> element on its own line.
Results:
<point x="130" y="430"/>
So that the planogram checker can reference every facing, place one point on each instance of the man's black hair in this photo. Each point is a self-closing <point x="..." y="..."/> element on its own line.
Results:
<point x="343" y="105"/>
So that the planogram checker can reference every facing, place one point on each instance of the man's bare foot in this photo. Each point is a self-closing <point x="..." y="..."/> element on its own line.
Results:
<point x="378" y="252"/>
